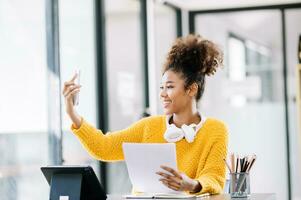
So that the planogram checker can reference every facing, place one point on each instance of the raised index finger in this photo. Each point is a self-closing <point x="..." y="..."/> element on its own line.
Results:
<point x="74" y="77"/>
<point x="172" y="171"/>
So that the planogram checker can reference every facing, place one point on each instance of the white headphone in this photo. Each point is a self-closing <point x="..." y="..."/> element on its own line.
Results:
<point x="175" y="134"/>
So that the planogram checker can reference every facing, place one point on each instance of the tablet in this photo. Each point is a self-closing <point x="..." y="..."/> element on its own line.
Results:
<point x="67" y="181"/>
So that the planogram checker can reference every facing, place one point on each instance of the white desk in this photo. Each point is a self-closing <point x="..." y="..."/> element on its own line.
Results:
<point x="217" y="197"/>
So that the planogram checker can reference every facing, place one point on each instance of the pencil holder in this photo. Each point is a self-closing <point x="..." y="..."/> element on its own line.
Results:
<point x="239" y="185"/>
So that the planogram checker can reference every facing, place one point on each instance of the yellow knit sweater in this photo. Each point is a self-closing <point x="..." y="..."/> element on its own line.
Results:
<point x="201" y="160"/>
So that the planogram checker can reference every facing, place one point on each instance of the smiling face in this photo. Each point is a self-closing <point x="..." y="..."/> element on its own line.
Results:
<point x="173" y="95"/>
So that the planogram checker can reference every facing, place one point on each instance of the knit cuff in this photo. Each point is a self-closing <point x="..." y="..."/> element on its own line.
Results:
<point x="208" y="186"/>
<point x="83" y="131"/>
<point x="73" y="126"/>
<point x="204" y="181"/>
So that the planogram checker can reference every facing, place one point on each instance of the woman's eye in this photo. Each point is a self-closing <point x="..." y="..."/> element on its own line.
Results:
<point x="168" y="87"/>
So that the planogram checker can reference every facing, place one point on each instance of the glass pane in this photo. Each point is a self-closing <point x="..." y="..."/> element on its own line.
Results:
<point x="164" y="37"/>
<point x="256" y="125"/>
<point x="77" y="51"/>
<point x="293" y="31"/>
<point x="23" y="103"/>
<point x="125" y="77"/>
<point x="237" y="56"/>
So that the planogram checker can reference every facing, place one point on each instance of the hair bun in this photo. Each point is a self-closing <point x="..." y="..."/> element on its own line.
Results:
<point x="193" y="54"/>
<point x="212" y="57"/>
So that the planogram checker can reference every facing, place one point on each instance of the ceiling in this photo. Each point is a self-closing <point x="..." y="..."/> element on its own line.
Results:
<point x="121" y="6"/>
<point x="193" y="5"/>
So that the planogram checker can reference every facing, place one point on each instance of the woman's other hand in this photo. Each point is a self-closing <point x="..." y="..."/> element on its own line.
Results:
<point x="178" y="181"/>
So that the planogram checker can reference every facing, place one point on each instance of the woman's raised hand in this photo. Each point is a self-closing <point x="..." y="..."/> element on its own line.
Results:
<point x="71" y="89"/>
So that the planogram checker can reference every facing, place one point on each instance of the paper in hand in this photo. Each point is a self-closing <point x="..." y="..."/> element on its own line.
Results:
<point x="143" y="160"/>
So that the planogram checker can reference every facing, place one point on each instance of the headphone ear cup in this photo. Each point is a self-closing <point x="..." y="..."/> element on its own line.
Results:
<point x="173" y="134"/>
<point x="189" y="132"/>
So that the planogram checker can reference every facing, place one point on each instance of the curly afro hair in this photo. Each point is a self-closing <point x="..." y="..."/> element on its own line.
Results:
<point x="194" y="57"/>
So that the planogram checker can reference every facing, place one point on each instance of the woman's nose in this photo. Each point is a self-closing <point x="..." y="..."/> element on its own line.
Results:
<point x="163" y="93"/>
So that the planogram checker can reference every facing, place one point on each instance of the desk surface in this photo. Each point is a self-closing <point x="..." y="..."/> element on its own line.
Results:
<point x="218" y="197"/>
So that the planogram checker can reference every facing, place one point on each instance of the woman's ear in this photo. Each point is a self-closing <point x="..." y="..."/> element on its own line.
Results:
<point x="193" y="89"/>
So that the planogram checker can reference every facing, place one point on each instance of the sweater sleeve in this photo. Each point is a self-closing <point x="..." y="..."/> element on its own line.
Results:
<point x="212" y="176"/>
<point x="108" y="147"/>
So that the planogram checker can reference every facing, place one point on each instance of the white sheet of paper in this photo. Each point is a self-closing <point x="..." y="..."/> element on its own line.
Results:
<point x="143" y="160"/>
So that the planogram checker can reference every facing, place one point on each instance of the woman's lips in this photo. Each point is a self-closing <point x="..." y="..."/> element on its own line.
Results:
<point x="166" y="103"/>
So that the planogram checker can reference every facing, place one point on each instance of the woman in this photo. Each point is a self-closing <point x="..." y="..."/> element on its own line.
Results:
<point x="201" y="144"/>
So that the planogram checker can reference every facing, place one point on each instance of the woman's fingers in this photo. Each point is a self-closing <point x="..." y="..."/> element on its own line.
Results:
<point x="74" y="77"/>
<point x="176" y="180"/>
<point x="70" y="89"/>
<point x="171" y="182"/>
<point x="69" y="83"/>
<point x="171" y="185"/>
<point x="172" y="171"/>
<point x="173" y="179"/>
<point x="73" y="92"/>
<point x="67" y="90"/>
<point x="164" y="174"/>
<point x="173" y="188"/>
<point x="67" y="86"/>
<point x="169" y="177"/>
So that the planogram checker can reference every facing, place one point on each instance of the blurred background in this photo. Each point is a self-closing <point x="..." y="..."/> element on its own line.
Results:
<point x="120" y="46"/>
